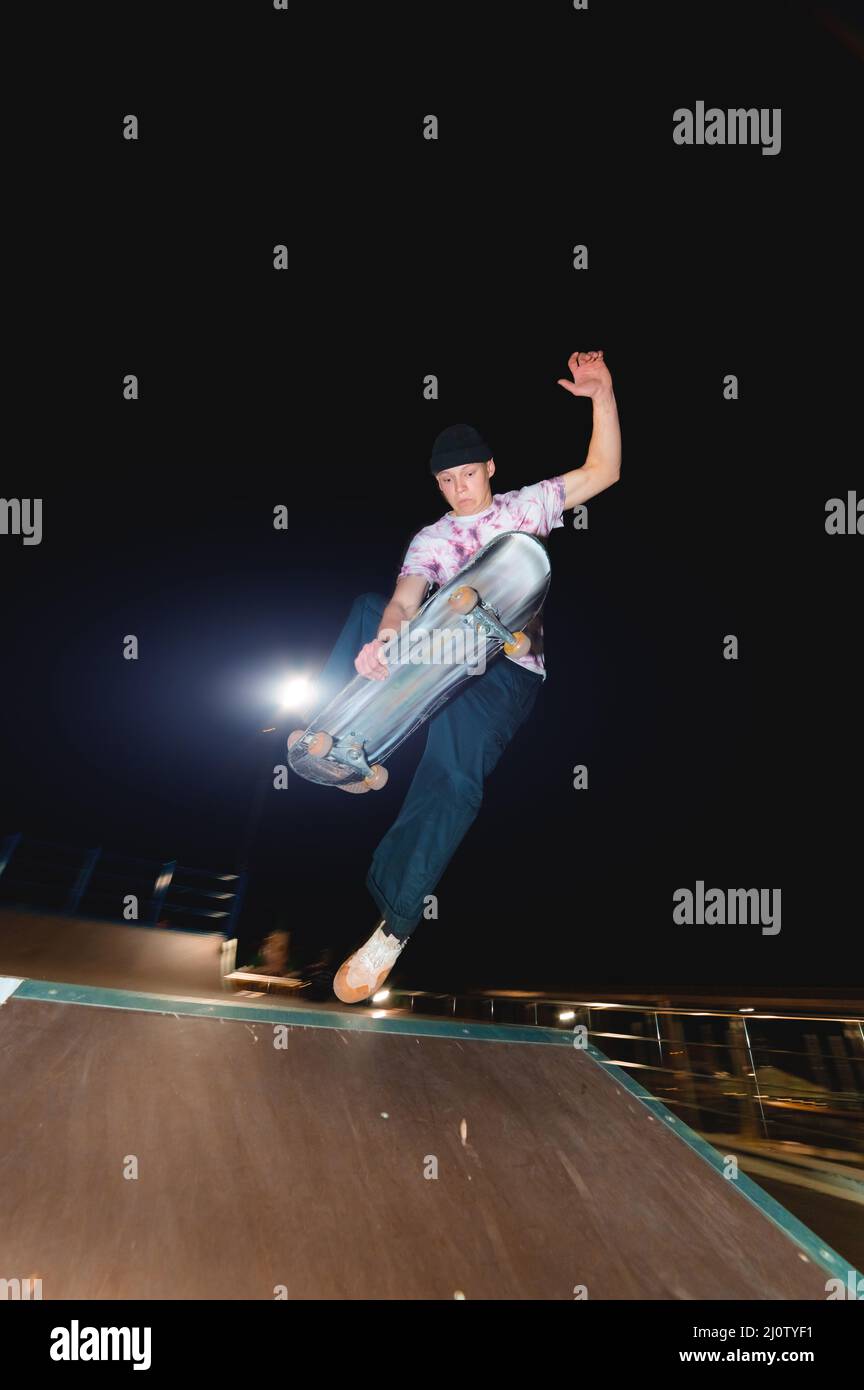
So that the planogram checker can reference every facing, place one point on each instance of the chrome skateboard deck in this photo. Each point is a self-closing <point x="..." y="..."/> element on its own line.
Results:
<point x="451" y="639"/>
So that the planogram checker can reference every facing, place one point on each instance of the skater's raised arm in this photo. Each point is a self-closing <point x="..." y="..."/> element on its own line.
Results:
<point x="602" y="466"/>
<point x="407" y="597"/>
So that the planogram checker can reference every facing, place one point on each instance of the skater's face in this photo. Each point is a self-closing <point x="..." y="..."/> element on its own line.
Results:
<point x="467" y="487"/>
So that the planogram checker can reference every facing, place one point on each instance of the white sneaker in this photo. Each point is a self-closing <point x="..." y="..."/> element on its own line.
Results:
<point x="365" y="971"/>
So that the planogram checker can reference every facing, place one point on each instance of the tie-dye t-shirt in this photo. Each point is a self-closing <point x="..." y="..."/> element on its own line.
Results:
<point x="439" y="551"/>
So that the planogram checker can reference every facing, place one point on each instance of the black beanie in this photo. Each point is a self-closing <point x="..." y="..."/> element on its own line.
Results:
<point x="456" y="445"/>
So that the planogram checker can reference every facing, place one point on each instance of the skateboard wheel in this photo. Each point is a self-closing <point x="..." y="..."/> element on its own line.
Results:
<point x="319" y="745"/>
<point x="378" y="778"/>
<point x="463" y="599"/>
<point x="354" y="786"/>
<point x="520" y="647"/>
<point x="293" y="737"/>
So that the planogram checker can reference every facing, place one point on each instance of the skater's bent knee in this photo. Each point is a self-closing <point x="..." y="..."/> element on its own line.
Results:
<point x="464" y="789"/>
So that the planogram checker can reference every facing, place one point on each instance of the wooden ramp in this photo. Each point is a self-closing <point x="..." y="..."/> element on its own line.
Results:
<point x="113" y="955"/>
<point x="155" y="1148"/>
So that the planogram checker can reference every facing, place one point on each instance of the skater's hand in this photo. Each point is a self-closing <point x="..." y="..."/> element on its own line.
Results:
<point x="590" y="374"/>
<point x="370" y="662"/>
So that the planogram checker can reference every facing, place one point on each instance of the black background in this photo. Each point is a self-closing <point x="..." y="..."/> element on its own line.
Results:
<point x="453" y="257"/>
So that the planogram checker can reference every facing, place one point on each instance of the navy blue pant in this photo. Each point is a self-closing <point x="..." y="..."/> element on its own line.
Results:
<point x="465" y="739"/>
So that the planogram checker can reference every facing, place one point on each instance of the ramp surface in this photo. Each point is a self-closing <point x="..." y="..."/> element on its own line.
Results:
<point x="154" y="1148"/>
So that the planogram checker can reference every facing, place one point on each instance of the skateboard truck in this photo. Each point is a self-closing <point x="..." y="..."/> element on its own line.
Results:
<point x="348" y="750"/>
<point x="484" y="618"/>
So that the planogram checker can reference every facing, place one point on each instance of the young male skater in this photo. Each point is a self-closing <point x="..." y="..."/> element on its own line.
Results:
<point x="467" y="736"/>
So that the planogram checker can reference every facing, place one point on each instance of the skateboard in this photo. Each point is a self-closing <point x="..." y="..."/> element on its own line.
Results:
<point x="451" y="638"/>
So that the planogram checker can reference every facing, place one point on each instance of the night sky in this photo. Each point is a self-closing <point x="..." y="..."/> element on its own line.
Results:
<point x="304" y="388"/>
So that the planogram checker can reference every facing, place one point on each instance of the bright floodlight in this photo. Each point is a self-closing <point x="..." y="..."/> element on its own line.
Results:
<point x="296" y="693"/>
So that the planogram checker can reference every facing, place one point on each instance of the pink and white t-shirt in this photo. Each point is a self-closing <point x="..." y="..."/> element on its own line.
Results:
<point x="439" y="551"/>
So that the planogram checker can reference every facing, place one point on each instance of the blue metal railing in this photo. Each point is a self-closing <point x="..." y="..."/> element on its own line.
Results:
<point x="97" y="883"/>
